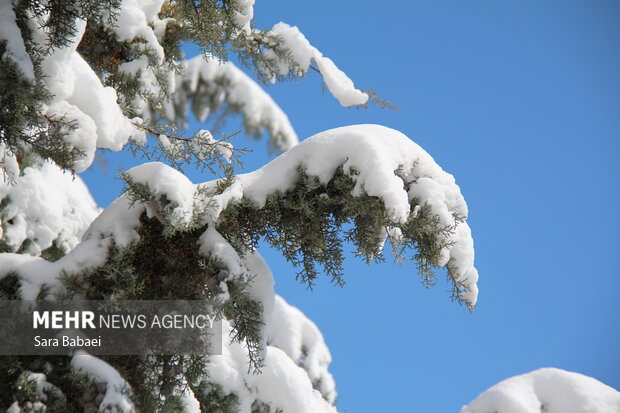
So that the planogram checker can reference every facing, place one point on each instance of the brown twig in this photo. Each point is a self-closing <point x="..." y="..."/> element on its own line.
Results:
<point x="316" y="70"/>
<point x="154" y="132"/>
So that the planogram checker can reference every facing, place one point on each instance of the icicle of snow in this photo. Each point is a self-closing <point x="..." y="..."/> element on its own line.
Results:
<point x="295" y="334"/>
<point x="45" y="205"/>
<point x="302" y="52"/>
<point x="202" y="78"/>
<point x="548" y="390"/>
<point x="115" y="399"/>
<point x="15" y="48"/>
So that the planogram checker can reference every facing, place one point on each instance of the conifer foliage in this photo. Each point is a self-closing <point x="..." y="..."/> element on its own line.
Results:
<point x="76" y="77"/>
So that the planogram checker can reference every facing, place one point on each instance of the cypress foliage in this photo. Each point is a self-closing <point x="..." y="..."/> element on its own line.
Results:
<point x="310" y="223"/>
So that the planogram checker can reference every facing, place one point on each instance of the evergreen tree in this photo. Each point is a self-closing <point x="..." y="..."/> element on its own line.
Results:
<point x="77" y="77"/>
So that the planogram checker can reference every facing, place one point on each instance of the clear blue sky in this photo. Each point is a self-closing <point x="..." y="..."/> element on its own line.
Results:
<point x="520" y="100"/>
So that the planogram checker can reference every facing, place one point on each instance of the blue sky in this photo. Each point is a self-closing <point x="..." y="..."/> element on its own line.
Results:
<point x="520" y="100"/>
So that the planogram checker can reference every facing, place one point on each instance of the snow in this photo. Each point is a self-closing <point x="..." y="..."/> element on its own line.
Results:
<point x="80" y="97"/>
<point x="138" y="22"/>
<point x="118" y="221"/>
<point x="213" y="243"/>
<point x="371" y="154"/>
<point x="375" y="152"/>
<point x="99" y="103"/>
<point x="35" y="272"/>
<point x="43" y="387"/>
<point x="15" y="48"/>
<point x="292" y="332"/>
<point x="281" y="384"/>
<point x="100" y="371"/>
<point x="9" y="167"/>
<point x="45" y="205"/>
<point x="132" y="22"/>
<point x="227" y="83"/>
<point x="547" y="390"/>
<point x="190" y="403"/>
<point x="244" y="13"/>
<point x="261" y="290"/>
<point x="169" y="182"/>
<point x="223" y="148"/>
<point x="295" y="357"/>
<point x="302" y="52"/>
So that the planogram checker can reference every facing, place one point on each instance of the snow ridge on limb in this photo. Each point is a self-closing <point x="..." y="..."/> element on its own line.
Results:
<point x="405" y="196"/>
<point x="209" y="85"/>
<point x="298" y="57"/>
<point x="549" y="390"/>
<point x="371" y="175"/>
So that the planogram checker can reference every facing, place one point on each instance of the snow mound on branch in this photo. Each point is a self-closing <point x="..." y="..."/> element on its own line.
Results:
<point x="80" y="98"/>
<point x="244" y="13"/>
<point x="302" y="52"/>
<point x="133" y="21"/>
<point x="384" y="163"/>
<point x="138" y="22"/>
<point x="208" y="84"/>
<point x="295" y="334"/>
<point x="290" y="380"/>
<point x="45" y="205"/>
<point x="282" y="384"/>
<point x="547" y="390"/>
<point x="115" y="398"/>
